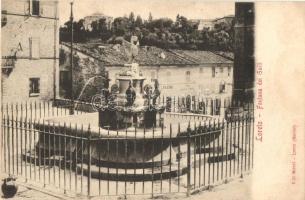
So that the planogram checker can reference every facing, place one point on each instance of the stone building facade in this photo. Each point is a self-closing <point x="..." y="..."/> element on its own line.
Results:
<point x="179" y="72"/>
<point x="30" y="42"/>
<point x="210" y="80"/>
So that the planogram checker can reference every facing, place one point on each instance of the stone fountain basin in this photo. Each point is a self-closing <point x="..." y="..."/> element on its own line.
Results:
<point x="128" y="148"/>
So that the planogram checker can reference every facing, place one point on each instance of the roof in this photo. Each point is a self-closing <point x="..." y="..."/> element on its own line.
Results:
<point x="202" y="57"/>
<point x="228" y="16"/>
<point x="228" y="55"/>
<point x="117" y="55"/>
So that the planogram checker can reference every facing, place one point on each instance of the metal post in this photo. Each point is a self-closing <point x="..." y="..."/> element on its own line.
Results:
<point x="188" y="161"/>
<point x="89" y="160"/>
<point x="71" y="111"/>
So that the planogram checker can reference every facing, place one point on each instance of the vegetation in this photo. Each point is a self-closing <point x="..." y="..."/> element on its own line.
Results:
<point x="163" y="32"/>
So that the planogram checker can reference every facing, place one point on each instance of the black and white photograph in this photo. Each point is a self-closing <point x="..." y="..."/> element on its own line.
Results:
<point x="135" y="99"/>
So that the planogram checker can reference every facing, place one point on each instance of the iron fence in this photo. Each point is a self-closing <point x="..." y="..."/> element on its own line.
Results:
<point x="189" y="153"/>
<point x="173" y="104"/>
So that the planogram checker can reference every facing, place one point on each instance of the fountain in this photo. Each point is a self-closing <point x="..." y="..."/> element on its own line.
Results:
<point x="131" y="106"/>
<point x="129" y="130"/>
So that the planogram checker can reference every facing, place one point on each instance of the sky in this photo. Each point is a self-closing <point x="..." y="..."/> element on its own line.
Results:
<point x="191" y="9"/>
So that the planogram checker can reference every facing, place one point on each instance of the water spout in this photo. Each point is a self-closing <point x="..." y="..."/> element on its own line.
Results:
<point x="85" y="86"/>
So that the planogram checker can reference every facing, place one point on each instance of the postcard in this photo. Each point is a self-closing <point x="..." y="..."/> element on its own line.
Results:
<point x="153" y="99"/>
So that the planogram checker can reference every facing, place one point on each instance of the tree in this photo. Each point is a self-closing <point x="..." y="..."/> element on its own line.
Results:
<point x="95" y="29"/>
<point x="150" y="17"/>
<point x="162" y="32"/>
<point x="104" y="33"/>
<point x="139" y="21"/>
<point x="131" y="17"/>
<point x="120" y="26"/>
<point x="78" y="31"/>
<point x="131" y="20"/>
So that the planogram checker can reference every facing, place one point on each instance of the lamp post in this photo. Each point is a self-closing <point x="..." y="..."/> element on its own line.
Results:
<point x="71" y="111"/>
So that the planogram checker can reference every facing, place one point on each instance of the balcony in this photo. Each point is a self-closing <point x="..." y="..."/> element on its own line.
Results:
<point x="8" y="64"/>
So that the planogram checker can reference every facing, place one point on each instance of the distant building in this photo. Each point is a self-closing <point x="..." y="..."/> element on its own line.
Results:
<point x="30" y="43"/>
<point x="206" y="24"/>
<point x="226" y="19"/>
<point x="209" y="24"/>
<point x="203" y="23"/>
<point x="96" y="17"/>
<point x="179" y="72"/>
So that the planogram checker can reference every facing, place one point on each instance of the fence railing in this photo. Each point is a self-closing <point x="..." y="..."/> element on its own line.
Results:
<point x="188" y="153"/>
<point x="61" y="107"/>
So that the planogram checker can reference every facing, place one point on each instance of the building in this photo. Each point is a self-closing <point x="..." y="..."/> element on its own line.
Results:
<point x="30" y="43"/>
<point x="96" y="17"/>
<point x="206" y="24"/>
<point x="210" y="77"/>
<point x="209" y="24"/>
<point x="202" y="24"/>
<point x="226" y="19"/>
<point x="180" y="72"/>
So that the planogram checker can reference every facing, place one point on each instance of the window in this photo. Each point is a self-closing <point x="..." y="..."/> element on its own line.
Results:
<point x="213" y="72"/>
<point x="222" y="87"/>
<point x="201" y="70"/>
<point x="168" y="73"/>
<point x="3" y="18"/>
<point x="34" y="87"/>
<point x="34" y="48"/>
<point x="35" y="7"/>
<point x="229" y="71"/>
<point x="188" y="76"/>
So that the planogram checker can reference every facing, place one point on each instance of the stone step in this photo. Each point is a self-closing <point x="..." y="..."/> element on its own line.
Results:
<point x="113" y="174"/>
